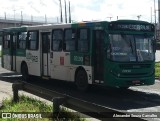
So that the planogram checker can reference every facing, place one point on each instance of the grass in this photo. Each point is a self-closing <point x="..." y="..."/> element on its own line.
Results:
<point x="0" y="53"/>
<point x="157" y="69"/>
<point x="27" y="104"/>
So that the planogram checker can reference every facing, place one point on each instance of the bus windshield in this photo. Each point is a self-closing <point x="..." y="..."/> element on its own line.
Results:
<point x="126" y="48"/>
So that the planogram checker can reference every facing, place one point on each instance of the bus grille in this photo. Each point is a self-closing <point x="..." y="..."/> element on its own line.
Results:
<point x="134" y="66"/>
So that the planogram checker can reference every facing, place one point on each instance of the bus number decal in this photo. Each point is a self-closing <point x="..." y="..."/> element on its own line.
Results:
<point x="31" y="57"/>
<point x="77" y="58"/>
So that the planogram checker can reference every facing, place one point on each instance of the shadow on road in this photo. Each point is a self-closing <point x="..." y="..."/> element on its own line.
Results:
<point x="112" y="98"/>
<point x="10" y="77"/>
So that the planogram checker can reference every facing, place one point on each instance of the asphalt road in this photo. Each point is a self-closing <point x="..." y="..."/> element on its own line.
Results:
<point x="136" y="99"/>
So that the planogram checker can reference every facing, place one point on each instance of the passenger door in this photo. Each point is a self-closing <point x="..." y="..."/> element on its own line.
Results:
<point x="46" y="37"/>
<point x="98" y="56"/>
<point x="33" y="53"/>
<point x="7" y="51"/>
<point x="14" y="52"/>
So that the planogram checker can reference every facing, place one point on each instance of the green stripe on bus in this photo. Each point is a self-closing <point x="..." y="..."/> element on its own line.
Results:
<point x="21" y="52"/>
<point x="77" y="58"/>
<point x="6" y="51"/>
<point x="15" y="29"/>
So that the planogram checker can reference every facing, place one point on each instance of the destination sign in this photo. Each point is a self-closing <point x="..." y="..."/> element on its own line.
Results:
<point x="131" y="27"/>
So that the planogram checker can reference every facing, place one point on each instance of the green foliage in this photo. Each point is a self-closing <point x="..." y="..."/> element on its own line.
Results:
<point x="27" y="104"/>
<point x="157" y="69"/>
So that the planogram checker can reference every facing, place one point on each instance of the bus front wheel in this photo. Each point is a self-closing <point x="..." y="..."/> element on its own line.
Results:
<point x="81" y="80"/>
<point x="24" y="71"/>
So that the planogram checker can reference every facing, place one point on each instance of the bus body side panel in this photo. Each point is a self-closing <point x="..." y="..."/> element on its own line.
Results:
<point x="63" y="63"/>
<point x="7" y="51"/>
<point x="20" y="56"/>
<point x="83" y="61"/>
<point x="60" y="66"/>
<point x="33" y="58"/>
<point x="33" y="62"/>
<point x="7" y="59"/>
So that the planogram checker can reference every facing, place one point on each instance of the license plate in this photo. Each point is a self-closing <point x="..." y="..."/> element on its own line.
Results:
<point x="136" y="81"/>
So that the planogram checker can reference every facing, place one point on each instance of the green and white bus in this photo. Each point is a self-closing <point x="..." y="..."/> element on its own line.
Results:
<point x="116" y="54"/>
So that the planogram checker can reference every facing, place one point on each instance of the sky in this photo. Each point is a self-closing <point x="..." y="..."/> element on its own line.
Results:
<point x="81" y="10"/>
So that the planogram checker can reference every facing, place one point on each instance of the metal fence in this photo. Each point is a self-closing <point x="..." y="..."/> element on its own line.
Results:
<point x="82" y="106"/>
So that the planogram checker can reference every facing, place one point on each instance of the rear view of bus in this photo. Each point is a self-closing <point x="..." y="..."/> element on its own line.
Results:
<point x="130" y="54"/>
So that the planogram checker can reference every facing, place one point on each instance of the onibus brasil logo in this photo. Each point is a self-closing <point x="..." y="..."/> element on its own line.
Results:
<point x="21" y="115"/>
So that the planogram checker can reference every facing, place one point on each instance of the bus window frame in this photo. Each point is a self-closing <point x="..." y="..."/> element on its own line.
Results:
<point x="64" y="40"/>
<point x="88" y="39"/>
<point x="60" y="42"/>
<point x="3" y="39"/>
<point x="17" y="45"/>
<point x="37" y="40"/>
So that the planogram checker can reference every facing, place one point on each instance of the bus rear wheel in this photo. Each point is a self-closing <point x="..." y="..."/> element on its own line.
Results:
<point x="24" y="71"/>
<point x="81" y="81"/>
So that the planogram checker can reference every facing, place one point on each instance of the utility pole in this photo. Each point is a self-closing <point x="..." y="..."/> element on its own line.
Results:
<point x="31" y="18"/>
<point x="57" y="20"/>
<point x="5" y="15"/>
<point x="14" y="17"/>
<point x="65" y="11"/>
<point x="110" y="18"/>
<point x="14" y="13"/>
<point x="155" y="11"/>
<point x="69" y="13"/>
<point x="60" y="6"/>
<point x="45" y="19"/>
<point x="151" y="14"/>
<point x="155" y="20"/>
<point x="159" y="11"/>
<point x="21" y="18"/>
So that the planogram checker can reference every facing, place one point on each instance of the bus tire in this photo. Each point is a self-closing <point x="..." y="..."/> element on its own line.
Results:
<point x="81" y="80"/>
<point x="24" y="71"/>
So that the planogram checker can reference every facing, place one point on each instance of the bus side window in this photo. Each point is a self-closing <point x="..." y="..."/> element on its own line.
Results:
<point x="6" y="43"/>
<point x="83" y="40"/>
<point x="33" y="40"/>
<point x="69" y="40"/>
<point x="22" y="36"/>
<point x="57" y="37"/>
